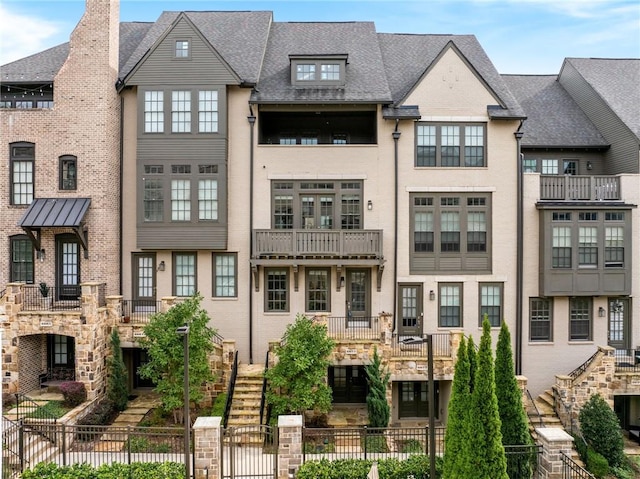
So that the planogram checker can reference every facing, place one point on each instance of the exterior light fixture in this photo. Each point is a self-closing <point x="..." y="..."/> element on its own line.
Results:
<point x="161" y="266"/>
<point x="601" y="312"/>
<point x="432" y="295"/>
<point x="369" y="205"/>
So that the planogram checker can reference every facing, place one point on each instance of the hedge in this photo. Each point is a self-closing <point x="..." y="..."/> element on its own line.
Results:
<point x="138" y="470"/>
<point x="416" y="466"/>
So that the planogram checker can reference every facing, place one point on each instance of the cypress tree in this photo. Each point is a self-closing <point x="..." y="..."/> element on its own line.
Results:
<point x="117" y="388"/>
<point x="458" y="439"/>
<point x="515" y="425"/>
<point x="489" y="461"/>
<point x="377" y="405"/>
<point x="473" y="360"/>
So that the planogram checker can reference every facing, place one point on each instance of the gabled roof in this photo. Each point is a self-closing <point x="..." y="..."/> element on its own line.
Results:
<point x="407" y="57"/>
<point x="365" y="74"/>
<point x="617" y="81"/>
<point x="43" y="66"/>
<point x="240" y="37"/>
<point x="553" y="118"/>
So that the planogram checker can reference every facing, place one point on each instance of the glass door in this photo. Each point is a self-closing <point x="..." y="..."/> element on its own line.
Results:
<point x="67" y="267"/>
<point x="410" y="310"/>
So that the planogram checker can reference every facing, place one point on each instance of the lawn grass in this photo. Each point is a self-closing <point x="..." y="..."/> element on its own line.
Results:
<point x="51" y="409"/>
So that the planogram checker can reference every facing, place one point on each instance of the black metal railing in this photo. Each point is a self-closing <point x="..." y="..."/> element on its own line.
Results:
<point x="583" y="367"/>
<point x="627" y="360"/>
<point x="353" y="327"/>
<point x="27" y="408"/>
<point x="217" y="339"/>
<point x="532" y="406"/>
<point x="416" y="346"/>
<point x="263" y="395"/>
<point x="572" y="470"/>
<point x="519" y="455"/>
<point x="13" y="461"/>
<point x="139" y="310"/>
<point x="566" y="417"/>
<point x="230" y="389"/>
<point x="50" y="298"/>
<point x="2" y="293"/>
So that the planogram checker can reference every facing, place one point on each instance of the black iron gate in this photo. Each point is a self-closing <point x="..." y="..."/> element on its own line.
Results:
<point x="250" y="452"/>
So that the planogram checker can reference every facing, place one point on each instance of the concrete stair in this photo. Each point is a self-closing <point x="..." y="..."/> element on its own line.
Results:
<point x="543" y="414"/>
<point x="245" y="404"/>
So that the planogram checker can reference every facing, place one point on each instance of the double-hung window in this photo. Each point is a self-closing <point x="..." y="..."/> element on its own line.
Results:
<point x="491" y="303"/>
<point x="225" y="274"/>
<point x="21" y="267"/>
<point x="614" y="239"/>
<point x="184" y="274"/>
<point x="450" y="231"/>
<point x="181" y="111"/>
<point x="181" y="193"/>
<point x="580" y="319"/>
<point x="154" y="111"/>
<point x="450" y="145"/>
<point x="450" y="307"/>
<point x="208" y="111"/>
<point x="153" y="194"/>
<point x="276" y="290"/>
<point x="318" y="288"/>
<point x="540" y="319"/>
<point x="68" y="168"/>
<point x="22" y="159"/>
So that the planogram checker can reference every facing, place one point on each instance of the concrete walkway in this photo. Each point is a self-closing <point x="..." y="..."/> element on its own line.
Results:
<point x="137" y="409"/>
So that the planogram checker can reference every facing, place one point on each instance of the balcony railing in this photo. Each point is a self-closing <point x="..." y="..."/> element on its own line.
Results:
<point x="441" y="346"/>
<point x="353" y="327"/>
<point x="57" y="298"/>
<point x="333" y="243"/>
<point x="139" y="310"/>
<point x="580" y="188"/>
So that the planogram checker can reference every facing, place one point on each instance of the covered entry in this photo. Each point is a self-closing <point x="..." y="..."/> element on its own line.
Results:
<point x="45" y="358"/>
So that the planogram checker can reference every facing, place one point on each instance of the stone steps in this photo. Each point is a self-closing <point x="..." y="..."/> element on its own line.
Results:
<point x="247" y="395"/>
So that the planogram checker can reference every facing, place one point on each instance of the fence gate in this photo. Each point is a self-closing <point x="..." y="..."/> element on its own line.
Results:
<point x="250" y="452"/>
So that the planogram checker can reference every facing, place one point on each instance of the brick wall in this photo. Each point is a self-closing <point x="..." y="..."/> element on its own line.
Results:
<point x="31" y="359"/>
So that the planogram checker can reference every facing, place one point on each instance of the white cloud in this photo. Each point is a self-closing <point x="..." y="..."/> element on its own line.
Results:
<point x="23" y="35"/>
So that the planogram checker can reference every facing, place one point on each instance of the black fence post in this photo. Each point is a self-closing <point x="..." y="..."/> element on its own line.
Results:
<point x="64" y="445"/>
<point x="365" y="443"/>
<point x="21" y="443"/>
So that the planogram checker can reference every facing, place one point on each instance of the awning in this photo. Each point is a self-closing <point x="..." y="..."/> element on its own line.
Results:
<point x="56" y="213"/>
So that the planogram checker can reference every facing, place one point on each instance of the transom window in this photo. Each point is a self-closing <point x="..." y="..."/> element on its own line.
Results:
<point x="317" y="205"/>
<point x="225" y="274"/>
<point x="449" y="224"/>
<point x="184" y="274"/>
<point x="22" y="158"/>
<point x="450" y="145"/>
<point x="540" y="316"/>
<point x="450" y="307"/>
<point x="491" y="303"/>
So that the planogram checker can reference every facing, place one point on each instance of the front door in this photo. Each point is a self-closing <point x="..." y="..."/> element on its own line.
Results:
<point x="61" y="357"/>
<point x="410" y="310"/>
<point x="144" y="277"/>
<point x="414" y="398"/>
<point x="67" y="267"/>
<point x="358" y="294"/>
<point x="348" y="384"/>
<point x="140" y="358"/>
<point x="618" y="323"/>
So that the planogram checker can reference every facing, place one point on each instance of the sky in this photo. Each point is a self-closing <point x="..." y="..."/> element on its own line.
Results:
<point x="520" y="36"/>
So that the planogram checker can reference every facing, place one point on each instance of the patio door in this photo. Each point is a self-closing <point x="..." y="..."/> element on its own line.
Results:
<point x="358" y="294"/>
<point x="348" y="384"/>
<point x="410" y="310"/>
<point x="67" y="267"/>
<point x="619" y="323"/>
<point x="144" y="277"/>
<point x="414" y="398"/>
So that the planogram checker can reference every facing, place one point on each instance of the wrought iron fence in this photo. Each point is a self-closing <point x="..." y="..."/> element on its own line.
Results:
<point x="368" y="443"/>
<point x="230" y="389"/>
<point x="583" y="367"/>
<point x="627" y="360"/>
<point x="521" y="458"/>
<point x="50" y="298"/>
<point x="353" y="327"/>
<point x="416" y="346"/>
<point x="139" y="310"/>
<point x="573" y="470"/>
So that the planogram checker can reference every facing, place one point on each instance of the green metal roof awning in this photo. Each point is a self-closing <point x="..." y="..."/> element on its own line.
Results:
<point x="56" y="213"/>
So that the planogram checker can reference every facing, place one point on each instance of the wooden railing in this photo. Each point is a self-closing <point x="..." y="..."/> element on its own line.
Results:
<point x="334" y="243"/>
<point x="580" y="188"/>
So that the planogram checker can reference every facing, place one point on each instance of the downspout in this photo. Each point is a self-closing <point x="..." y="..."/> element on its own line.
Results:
<point x="520" y="253"/>
<point x="121" y="181"/>
<point x="252" y="121"/>
<point x="396" y="137"/>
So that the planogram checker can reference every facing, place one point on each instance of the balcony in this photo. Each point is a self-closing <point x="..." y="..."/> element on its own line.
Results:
<point x="304" y="243"/>
<point x="580" y="188"/>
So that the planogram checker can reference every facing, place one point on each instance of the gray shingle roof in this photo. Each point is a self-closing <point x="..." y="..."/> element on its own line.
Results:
<point x="617" y="81"/>
<point x="365" y="75"/>
<point x="240" y="37"/>
<point x="407" y="57"/>
<point x="45" y="65"/>
<point x="553" y="118"/>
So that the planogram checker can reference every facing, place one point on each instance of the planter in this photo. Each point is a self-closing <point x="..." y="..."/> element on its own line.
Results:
<point x="126" y="319"/>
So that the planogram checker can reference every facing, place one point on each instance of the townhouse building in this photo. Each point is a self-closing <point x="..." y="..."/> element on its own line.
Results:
<point x="391" y="186"/>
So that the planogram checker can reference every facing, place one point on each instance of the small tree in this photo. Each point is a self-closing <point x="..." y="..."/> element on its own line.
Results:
<point x="515" y="425"/>
<point x="117" y="387"/>
<point x="297" y="382"/>
<point x="489" y="461"/>
<point x="378" y="379"/>
<point x="166" y="356"/>
<point x="601" y="429"/>
<point x="458" y="439"/>
<point x="472" y="355"/>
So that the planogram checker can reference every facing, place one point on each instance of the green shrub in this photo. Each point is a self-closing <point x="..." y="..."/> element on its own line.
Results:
<point x="411" y="446"/>
<point x="143" y="444"/>
<point x="219" y="404"/>
<point x="137" y="470"/>
<point x="416" y="467"/>
<point x="597" y="464"/>
<point x="375" y="443"/>
<point x="74" y="393"/>
<point x="601" y="429"/>
<point x="102" y="413"/>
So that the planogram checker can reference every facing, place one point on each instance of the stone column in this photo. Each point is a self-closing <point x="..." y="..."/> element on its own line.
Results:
<point x="554" y="441"/>
<point x="289" y="444"/>
<point x="207" y="437"/>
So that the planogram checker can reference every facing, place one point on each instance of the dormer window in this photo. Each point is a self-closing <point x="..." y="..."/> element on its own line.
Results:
<point x="329" y="70"/>
<point x="182" y="49"/>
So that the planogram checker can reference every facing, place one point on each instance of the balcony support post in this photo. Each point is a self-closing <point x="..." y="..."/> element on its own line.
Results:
<point x="256" y="277"/>
<point x="338" y="277"/>
<point x="295" y="278"/>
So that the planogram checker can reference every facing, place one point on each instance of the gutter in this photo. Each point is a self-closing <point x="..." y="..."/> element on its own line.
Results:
<point x="520" y="253"/>
<point x="252" y="121"/>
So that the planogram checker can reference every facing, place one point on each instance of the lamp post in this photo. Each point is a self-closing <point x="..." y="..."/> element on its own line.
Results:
<point x="184" y="332"/>
<point x="432" y="399"/>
